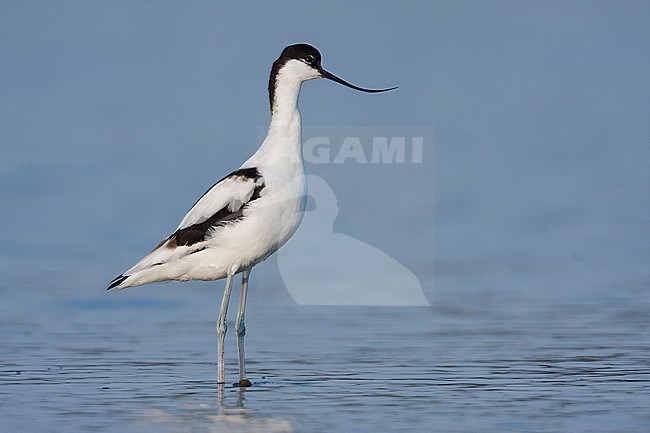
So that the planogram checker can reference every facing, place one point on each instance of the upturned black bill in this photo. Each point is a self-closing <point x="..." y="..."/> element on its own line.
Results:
<point x="333" y="77"/>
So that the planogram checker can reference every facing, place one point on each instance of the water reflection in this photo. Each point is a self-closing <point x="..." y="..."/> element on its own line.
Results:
<point x="235" y="417"/>
<point x="497" y="358"/>
<point x="228" y="414"/>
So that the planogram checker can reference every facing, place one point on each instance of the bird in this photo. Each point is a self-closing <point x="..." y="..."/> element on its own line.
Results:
<point x="248" y="214"/>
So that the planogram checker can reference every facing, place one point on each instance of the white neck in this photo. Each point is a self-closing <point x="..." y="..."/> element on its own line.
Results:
<point x="282" y="142"/>
<point x="285" y="118"/>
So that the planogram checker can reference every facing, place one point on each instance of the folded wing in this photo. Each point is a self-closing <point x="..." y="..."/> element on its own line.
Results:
<point x="222" y="204"/>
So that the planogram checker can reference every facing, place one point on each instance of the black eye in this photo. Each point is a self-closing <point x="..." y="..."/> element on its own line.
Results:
<point x="310" y="59"/>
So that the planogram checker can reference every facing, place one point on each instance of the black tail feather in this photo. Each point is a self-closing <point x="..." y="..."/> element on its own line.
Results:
<point x="117" y="281"/>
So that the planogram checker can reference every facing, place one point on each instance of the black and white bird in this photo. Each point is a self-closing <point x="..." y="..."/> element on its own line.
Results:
<point x="250" y="213"/>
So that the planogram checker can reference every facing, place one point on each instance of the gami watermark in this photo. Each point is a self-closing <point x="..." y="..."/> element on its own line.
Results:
<point x="379" y="165"/>
<point x="372" y="145"/>
<point x="363" y="150"/>
<point x="320" y="266"/>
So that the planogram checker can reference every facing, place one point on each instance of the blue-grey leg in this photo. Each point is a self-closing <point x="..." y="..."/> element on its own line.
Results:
<point x="222" y="327"/>
<point x="240" y="329"/>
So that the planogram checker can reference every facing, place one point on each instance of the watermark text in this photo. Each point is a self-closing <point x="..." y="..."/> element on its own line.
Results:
<point x="377" y="150"/>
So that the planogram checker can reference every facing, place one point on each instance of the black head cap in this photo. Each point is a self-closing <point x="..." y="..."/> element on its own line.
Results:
<point x="304" y="52"/>
<point x="310" y="56"/>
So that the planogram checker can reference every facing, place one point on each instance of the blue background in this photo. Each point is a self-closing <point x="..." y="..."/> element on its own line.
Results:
<point x="115" y="116"/>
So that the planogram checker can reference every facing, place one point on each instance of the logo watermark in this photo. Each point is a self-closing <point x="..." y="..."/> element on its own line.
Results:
<point x="378" y="172"/>
<point x="322" y="267"/>
<point x="378" y="150"/>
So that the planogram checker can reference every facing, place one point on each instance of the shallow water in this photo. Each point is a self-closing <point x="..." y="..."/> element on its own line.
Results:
<point x="478" y="360"/>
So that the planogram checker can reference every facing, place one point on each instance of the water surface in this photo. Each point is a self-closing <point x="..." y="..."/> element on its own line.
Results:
<point x="478" y="360"/>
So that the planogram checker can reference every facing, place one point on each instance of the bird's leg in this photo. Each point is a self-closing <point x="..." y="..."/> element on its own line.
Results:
<point x="240" y="330"/>
<point x="222" y="327"/>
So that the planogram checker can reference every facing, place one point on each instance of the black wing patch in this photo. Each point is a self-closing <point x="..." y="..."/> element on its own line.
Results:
<point x="196" y="233"/>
